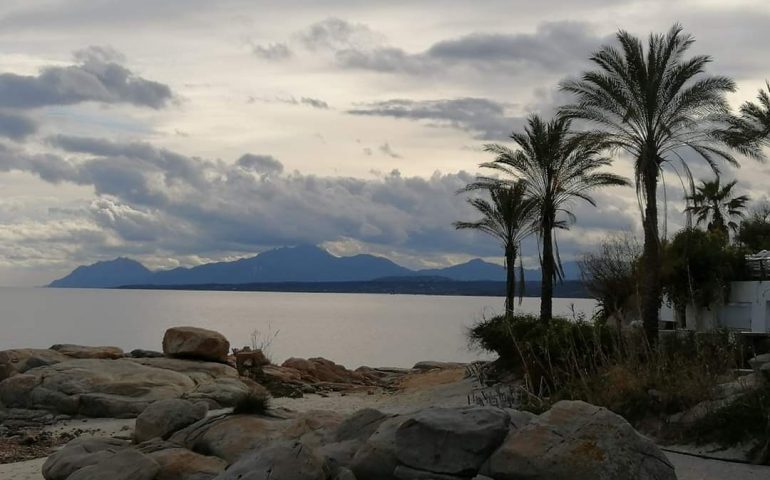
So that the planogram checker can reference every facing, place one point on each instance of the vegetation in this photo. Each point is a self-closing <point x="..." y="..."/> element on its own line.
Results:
<point x="698" y="267"/>
<point x="556" y="166"/>
<point x="611" y="276"/>
<point x="754" y="230"/>
<point x="253" y="403"/>
<point x="508" y="218"/>
<point x="653" y="104"/>
<point x="578" y="360"/>
<point x="750" y="130"/>
<point x="717" y="203"/>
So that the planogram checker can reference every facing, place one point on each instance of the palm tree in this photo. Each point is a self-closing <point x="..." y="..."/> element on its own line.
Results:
<point x="556" y="167"/>
<point x="712" y="200"/>
<point x="750" y="131"/>
<point x="653" y="104"/>
<point x="508" y="218"/>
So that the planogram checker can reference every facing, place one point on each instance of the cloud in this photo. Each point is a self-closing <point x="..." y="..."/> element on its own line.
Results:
<point x="272" y="51"/>
<point x="485" y="118"/>
<point x="261" y="164"/>
<point x="16" y="126"/>
<point x="308" y="101"/>
<point x="554" y="47"/>
<point x="387" y="150"/>
<point x="98" y="76"/>
<point x="337" y="34"/>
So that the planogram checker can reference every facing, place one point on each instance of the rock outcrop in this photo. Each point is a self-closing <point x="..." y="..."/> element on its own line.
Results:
<point x="121" y="388"/>
<point x="80" y="351"/>
<point x="164" y="417"/>
<point x="573" y="440"/>
<point x="195" y="343"/>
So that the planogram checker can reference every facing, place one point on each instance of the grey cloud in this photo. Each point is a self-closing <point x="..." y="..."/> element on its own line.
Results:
<point x="314" y="102"/>
<point x="553" y="47"/>
<point x="483" y="117"/>
<point x="338" y="34"/>
<point x="261" y="164"/>
<point x="96" y="77"/>
<point x="15" y="126"/>
<point x="309" y="101"/>
<point x="272" y="51"/>
<point x="387" y="150"/>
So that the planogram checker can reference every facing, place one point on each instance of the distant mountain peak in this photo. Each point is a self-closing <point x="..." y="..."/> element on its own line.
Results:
<point x="299" y="263"/>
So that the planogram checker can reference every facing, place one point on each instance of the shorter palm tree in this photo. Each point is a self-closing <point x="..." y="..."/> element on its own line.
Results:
<point x="715" y="203"/>
<point x="508" y="217"/>
<point x="750" y="130"/>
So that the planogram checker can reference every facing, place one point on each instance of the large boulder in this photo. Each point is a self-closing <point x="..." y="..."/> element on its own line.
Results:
<point x="126" y="464"/>
<point x="283" y="460"/>
<point x="121" y="388"/>
<point x="321" y="370"/>
<point x="197" y="343"/>
<point x="80" y="453"/>
<point x="20" y="360"/>
<point x="81" y="351"/>
<point x="164" y="417"/>
<point x="450" y="440"/>
<point x="229" y="437"/>
<point x="182" y="464"/>
<point x="577" y="441"/>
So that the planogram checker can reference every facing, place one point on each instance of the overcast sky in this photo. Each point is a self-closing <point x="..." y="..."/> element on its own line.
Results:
<point x="185" y="131"/>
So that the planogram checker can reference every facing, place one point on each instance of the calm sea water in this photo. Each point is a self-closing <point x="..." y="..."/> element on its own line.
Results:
<point x="351" y="329"/>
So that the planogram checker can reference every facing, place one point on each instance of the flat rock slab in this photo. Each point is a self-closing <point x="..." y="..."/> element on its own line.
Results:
<point x="121" y="388"/>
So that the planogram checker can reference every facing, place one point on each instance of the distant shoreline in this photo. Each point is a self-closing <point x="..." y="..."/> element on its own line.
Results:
<point x="411" y="286"/>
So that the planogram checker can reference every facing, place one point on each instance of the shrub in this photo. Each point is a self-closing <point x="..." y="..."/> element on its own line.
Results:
<point x="577" y="360"/>
<point x="253" y="403"/>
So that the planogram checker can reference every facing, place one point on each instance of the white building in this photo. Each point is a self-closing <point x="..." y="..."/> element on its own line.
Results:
<point x="747" y="309"/>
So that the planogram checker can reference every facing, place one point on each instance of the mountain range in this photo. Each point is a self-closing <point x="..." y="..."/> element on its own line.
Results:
<point x="307" y="264"/>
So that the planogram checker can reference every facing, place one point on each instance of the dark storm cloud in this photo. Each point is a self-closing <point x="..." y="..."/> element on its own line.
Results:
<point x="15" y="126"/>
<point x="98" y="77"/>
<point x="485" y="118"/>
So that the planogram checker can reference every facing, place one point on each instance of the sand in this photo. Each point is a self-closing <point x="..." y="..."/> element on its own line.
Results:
<point x="445" y="388"/>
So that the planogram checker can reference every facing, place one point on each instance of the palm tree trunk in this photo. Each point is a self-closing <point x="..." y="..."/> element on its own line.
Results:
<point x="510" y="279"/>
<point x="651" y="285"/>
<point x="548" y="267"/>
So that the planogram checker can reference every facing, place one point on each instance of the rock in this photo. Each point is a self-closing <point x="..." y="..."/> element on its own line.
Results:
<point x="80" y="351"/>
<point x="764" y="372"/>
<point x="454" y="441"/>
<point x="80" y="453"/>
<point x="344" y="474"/>
<point x="230" y="436"/>
<point x="578" y="441"/>
<point x="405" y="473"/>
<point x="198" y="343"/>
<point x="437" y="365"/>
<point x="360" y="425"/>
<point x="139" y="353"/>
<point x="121" y="388"/>
<point x="127" y="464"/>
<point x="757" y="362"/>
<point x="182" y="464"/>
<point x="250" y="359"/>
<point x="280" y="461"/>
<point x="13" y="362"/>
<point x="317" y="370"/>
<point x="164" y="417"/>
<point x="376" y="459"/>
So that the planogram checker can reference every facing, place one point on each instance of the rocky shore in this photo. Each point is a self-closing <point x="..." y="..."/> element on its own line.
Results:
<point x="82" y="413"/>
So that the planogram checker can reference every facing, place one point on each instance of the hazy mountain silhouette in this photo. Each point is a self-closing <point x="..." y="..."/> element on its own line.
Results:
<point x="290" y="264"/>
<point x="112" y="273"/>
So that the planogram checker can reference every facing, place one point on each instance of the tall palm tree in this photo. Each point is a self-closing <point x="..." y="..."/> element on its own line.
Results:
<point x="750" y="131"/>
<point x="717" y="202"/>
<point x="509" y="219"/>
<point x="653" y="104"/>
<point x="556" y="167"/>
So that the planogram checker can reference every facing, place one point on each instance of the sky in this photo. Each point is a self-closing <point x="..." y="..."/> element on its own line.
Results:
<point x="180" y="132"/>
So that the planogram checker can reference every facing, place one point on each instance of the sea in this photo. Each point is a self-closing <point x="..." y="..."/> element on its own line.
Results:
<point x="350" y="329"/>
